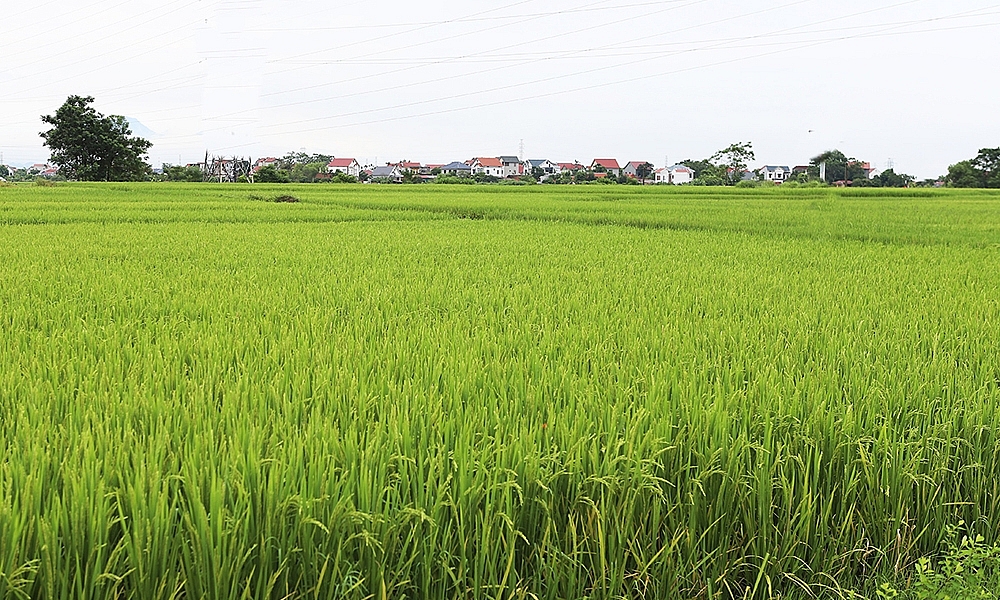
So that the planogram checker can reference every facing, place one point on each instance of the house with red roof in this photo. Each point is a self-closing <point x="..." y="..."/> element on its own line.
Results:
<point x="260" y="163"/>
<point x="487" y="166"/>
<point x="570" y="166"/>
<point x="608" y="164"/>
<point x="347" y="166"/>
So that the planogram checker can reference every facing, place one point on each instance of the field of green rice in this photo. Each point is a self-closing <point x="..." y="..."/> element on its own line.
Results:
<point x="437" y="392"/>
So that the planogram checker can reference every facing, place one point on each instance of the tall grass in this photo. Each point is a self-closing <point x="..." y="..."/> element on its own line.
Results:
<point x="370" y="395"/>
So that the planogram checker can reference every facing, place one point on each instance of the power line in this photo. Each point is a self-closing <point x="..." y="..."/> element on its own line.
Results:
<point x="452" y="21"/>
<point x="660" y="34"/>
<point x="535" y="41"/>
<point x="116" y="51"/>
<point x="316" y="86"/>
<point x="57" y="40"/>
<point x="420" y="28"/>
<point x="608" y="52"/>
<point x="563" y="76"/>
<point x="33" y="9"/>
<point x="51" y="56"/>
<point x="579" y="89"/>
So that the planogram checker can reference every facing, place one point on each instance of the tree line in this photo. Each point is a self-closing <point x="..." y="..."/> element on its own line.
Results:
<point x="89" y="146"/>
<point x="983" y="171"/>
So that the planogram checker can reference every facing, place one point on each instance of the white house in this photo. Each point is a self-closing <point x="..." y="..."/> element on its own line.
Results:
<point x="676" y="175"/>
<point x="774" y="174"/>
<point x="488" y="166"/>
<point x="547" y="166"/>
<point x="348" y="166"/>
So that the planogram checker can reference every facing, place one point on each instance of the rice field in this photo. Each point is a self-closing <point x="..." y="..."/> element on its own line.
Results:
<point x="425" y="392"/>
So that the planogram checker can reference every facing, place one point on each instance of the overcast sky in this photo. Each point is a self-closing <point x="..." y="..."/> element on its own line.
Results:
<point x="909" y="80"/>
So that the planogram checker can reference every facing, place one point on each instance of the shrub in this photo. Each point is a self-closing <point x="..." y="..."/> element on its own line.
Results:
<point x="969" y="570"/>
<point x="340" y="177"/>
<point x="454" y="179"/>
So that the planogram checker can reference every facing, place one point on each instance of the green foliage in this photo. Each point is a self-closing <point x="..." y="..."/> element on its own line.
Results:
<point x="89" y="146"/>
<point x="838" y="167"/>
<point x="305" y="172"/>
<point x="4" y="171"/>
<point x="733" y="161"/>
<point x="889" y="178"/>
<point x="988" y="163"/>
<point x="964" y="175"/>
<point x="454" y="179"/>
<point x="968" y="570"/>
<point x="271" y="174"/>
<point x="708" y="180"/>
<point x="180" y="173"/>
<point x="492" y="392"/>
<point x="21" y="175"/>
<point x="643" y="171"/>
<point x="755" y="183"/>
<point x="980" y="172"/>
<point x="701" y="168"/>
<point x="341" y="177"/>
<point x="290" y="160"/>
<point x="411" y="176"/>
<point x="725" y="167"/>
<point x="485" y="178"/>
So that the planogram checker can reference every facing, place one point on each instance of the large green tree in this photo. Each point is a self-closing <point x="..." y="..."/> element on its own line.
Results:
<point x="643" y="171"/>
<point x="271" y="174"/>
<point x="733" y="161"/>
<point x="988" y="162"/>
<point x="890" y="178"/>
<point x="983" y="171"/>
<point x="725" y="167"/>
<point x="964" y="175"/>
<point x="838" y="167"/>
<point x="89" y="146"/>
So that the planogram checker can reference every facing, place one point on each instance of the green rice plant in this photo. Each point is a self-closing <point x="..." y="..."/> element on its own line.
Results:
<point x="463" y="392"/>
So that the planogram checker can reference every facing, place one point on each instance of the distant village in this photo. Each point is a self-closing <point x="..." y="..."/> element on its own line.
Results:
<point x="512" y="170"/>
<point x="494" y="169"/>
<point x="491" y="169"/>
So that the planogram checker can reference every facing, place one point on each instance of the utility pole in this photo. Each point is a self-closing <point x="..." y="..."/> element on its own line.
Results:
<point x="520" y="149"/>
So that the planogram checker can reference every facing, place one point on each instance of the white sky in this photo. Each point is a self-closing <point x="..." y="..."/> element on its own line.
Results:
<point x="435" y="81"/>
